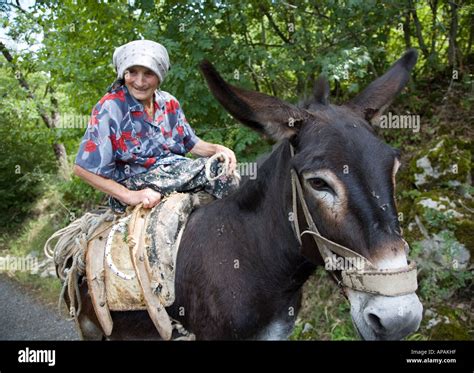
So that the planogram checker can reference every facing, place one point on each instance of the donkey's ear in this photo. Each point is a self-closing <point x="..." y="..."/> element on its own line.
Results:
<point x="372" y="102"/>
<point x="264" y="113"/>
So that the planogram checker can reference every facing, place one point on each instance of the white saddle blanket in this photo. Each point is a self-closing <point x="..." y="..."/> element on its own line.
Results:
<point x="164" y="226"/>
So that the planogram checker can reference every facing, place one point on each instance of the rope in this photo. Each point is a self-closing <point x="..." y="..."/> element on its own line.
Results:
<point x="121" y="225"/>
<point x="225" y="166"/>
<point x="72" y="239"/>
<point x="185" y="334"/>
<point x="68" y="255"/>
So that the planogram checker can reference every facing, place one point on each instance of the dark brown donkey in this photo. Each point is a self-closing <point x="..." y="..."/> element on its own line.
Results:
<point x="240" y="267"/>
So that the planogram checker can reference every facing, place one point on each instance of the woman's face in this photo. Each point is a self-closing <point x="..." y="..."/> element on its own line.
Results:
<point x="141" y="82"/>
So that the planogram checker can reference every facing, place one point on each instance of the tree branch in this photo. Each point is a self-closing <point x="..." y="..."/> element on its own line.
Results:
<point x="434" y="11"/>
<point x="318" y="12"/>
<point x="24" y="84"/>
<point x="274" y="25"/>
<point x="252" y="72"/>
<point x="406" y="30"/>
<point x="419" y="35"/>
<point x="17" y="6"/>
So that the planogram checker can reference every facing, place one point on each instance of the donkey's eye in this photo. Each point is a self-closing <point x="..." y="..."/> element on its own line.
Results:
<point x="319" y="184"/>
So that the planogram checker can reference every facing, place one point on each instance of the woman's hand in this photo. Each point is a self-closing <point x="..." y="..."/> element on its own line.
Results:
<point x="207" y="149"/>
<point x="148" y="197"/>
<point x="230" y="154"/>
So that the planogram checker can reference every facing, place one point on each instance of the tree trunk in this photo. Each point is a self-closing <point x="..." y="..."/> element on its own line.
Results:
<point x="453" y="32"/>
<point x="406" y="30"/>
<point x="61" y="156"/>
<point x="434" y="12"/>
<point x="419" y="34"/>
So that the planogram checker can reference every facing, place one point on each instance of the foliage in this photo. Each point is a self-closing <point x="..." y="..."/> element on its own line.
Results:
<point x="26" y="148"/>
<point x="439" y="220"/>
<point x="440" y="278"/>
<point x="276" y="47"/>
<point x="64" y="49"/>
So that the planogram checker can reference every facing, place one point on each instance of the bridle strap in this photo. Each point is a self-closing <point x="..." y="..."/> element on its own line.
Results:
<point x="363" y="276"/>
<point x="325" y="246"/>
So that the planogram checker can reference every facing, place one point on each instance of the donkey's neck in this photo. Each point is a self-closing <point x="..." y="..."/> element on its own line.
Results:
<point x="266" y="202"/>
<point x="268" y="197"/>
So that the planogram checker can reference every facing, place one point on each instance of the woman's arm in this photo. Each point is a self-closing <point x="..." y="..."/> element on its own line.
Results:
<point x="206" y="149"/>
<point x="148" y="197"/>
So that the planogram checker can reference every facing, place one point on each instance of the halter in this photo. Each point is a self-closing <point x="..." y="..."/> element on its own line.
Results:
<point x="364" y="276"/>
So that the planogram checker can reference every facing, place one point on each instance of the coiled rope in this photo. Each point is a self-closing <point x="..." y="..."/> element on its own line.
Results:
<point x="224" y="169"/>
<point x="68" y="255"/>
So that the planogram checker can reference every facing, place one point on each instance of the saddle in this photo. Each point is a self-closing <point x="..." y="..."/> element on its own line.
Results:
<point x="130" y="265"/>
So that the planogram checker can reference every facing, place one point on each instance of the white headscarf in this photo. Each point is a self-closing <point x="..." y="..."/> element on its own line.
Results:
<point x="145" y="53"/>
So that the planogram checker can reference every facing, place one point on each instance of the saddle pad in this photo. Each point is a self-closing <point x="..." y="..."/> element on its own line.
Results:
<point x="165" y="222"/>
<point x="121" y="283"/>
<point x="131" y="264"/>
<point x="165" y="225"/>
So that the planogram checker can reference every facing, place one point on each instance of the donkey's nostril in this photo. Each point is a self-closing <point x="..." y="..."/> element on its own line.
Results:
<point x="375" y="323"/>
<point x="391" y="317"/>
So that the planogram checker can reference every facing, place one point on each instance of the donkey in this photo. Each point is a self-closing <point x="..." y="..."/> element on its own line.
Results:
<point x="240" y="265"/>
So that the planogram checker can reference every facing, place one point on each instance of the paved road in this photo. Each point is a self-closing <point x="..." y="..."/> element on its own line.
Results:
<point x="23" y="317"/>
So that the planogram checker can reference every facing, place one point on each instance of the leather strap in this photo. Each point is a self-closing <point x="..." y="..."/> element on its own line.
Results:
<point x="392" y="283"/>
<point x="137" y="244"/>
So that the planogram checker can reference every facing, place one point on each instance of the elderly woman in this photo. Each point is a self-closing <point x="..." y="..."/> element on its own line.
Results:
<point x="137" y="137"/>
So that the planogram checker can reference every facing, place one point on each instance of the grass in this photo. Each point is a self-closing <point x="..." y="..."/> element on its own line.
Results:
<point x="324" y="312"/>
<point x="46" y="217"/>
